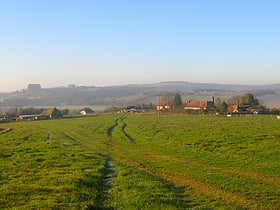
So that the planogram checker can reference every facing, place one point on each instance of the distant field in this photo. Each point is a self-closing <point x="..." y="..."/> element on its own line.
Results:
<point x="140" y="161"/>
<point x="72" y="108"/>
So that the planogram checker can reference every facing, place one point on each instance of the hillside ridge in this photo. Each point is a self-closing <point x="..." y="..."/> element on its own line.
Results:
<point x="129" y="94"/>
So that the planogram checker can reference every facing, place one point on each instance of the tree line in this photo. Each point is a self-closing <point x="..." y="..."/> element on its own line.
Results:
<point x="174" y="101"/>
<point x="17" y="111"/>
<point x="248" y="99"/>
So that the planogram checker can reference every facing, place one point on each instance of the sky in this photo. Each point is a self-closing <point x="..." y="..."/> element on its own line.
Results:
<point x="116" y="42"/>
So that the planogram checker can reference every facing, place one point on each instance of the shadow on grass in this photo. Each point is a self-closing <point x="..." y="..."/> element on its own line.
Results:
<point x="141" y="188"/>
<point x="93" y="189"/>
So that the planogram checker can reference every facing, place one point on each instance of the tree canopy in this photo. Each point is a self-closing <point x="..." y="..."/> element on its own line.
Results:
<point x="177" y="101"/>
<point x="249" y="99"/>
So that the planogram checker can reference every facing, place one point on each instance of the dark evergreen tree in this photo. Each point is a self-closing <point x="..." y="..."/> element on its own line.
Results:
<point x="224" y="107"/>
<point x="177" y="101"/>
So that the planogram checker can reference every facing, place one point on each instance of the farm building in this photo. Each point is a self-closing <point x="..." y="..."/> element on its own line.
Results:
<point x="162" y="107"/>
<point x="238" y="108"/>
<point x="52" y="113"/>
<point x="244" y="109"/>
<point x="86" y="111"/>
<point x="137" y="108"/>
<point x="199" y="105"/>
<point x="30" y="117"/>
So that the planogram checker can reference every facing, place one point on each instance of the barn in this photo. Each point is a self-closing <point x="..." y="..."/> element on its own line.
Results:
<point x="86" y="111"/>
<point x="52" y="113"/>
<point x="200" y="105"/>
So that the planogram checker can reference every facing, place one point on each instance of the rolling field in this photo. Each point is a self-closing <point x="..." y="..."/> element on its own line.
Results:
<point x="140" y="161"/>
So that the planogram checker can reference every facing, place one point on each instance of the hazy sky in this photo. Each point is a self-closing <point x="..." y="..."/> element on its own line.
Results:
<point x="112" y="42"/>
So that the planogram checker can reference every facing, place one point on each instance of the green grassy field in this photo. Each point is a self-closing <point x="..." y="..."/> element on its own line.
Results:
<point x="140" y="161"/>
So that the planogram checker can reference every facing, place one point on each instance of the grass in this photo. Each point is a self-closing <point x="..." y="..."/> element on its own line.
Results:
<point x="38" y="172"/>
<point x="140" y="161"/>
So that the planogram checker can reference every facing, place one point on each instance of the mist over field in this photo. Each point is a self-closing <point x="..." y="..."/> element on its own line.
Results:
<point x="36" y="95"/>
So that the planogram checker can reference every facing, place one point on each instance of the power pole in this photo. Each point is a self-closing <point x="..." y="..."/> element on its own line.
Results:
<point x="158" y="104"/>
<point x="113" y="105"/>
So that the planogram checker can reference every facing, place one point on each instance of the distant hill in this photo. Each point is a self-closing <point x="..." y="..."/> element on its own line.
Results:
<point x="189" y="86"/>
<point x="124" y="95"/>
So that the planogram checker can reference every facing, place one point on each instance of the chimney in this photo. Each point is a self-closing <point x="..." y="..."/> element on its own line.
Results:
<point x="213" y="99"/>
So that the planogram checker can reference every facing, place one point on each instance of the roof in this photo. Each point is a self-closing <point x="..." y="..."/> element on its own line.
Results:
<point x="87" y="110"/>
<point x="195" y="104"/>
<point x="52" y="112"/>
<point x="233" y="108"/>
<point x="48" y="111"/>
<point x="238" y="108"/>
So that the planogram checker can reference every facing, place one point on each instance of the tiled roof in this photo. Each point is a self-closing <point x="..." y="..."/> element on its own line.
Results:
<point x="195" y="104"/>
<point x="238" y="108"/>
<point x="233" y="108"/>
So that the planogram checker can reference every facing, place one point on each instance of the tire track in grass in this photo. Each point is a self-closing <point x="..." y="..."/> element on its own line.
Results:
<point x="119" y="120"/>
<point x="125" y="133"/>
<point x="72" y="139"/>
<point x="112" y="128"/>
<point x="182" y="200"/>
<point x="107" y="172"/>
<point x="271" y="181"/>
<point x="206" y="188"/>
<point x="83" y="144"/>
<point x="210" y="191"/>
<point x="216" y="193"/>
<point x="24" y="139"/>
<point x="197" y="186"/>
<point x="201" y="188"/>
<point x="2" y="131"/>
